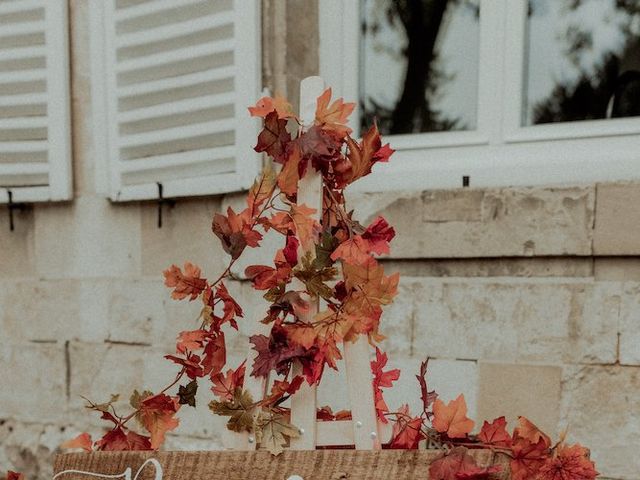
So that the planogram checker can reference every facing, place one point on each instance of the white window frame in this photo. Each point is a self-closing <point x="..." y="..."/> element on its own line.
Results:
<point x="499" y="152"/>
<point x="105" y="130"/>
<point x="58" y="119"/>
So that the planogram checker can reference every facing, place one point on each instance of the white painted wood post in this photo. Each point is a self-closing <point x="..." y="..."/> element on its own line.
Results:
<point x="364" y="430"/>
<point x="303" y="403"/>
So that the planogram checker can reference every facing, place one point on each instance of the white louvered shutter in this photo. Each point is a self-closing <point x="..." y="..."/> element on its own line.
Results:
<point x="35" y="127"/>
<point x="177" y="76"/>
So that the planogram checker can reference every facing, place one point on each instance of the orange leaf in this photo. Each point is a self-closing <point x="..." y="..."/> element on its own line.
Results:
<point x="452" y="418"/>
<point x="354" y="251"/>
<point x="334" y="116"/>
<point x="261" y="190"/>
<point x="266" y="105"/>
<point x="191" y="340"/>
<point x="289" y="176"/>
<point x="157" y="415"/>
<point x="184" y="284"/>
<point x="526" y="429"/>
<point x="307" y="227"/>
<point x="82" y="441"/>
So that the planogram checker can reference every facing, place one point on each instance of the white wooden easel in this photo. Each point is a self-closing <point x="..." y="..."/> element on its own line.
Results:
<point x="363" y="430"/>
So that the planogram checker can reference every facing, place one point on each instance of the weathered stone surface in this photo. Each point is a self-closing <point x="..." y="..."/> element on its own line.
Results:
<point x="484" y="223"/>
<point x="29" y="447"/>
<point x="99" y="370"/>
<point x="600" y="405"/>
<point x="629" y="348"/>
<point x="88" y="238"/>
<point x="517" y="321"/>
<point x="33" y="379"/>
<point x="17" y="255"/>
<point x="512" y="390"/>
<point x="494" y="267"/>
<point x="449" y="378"/>
<point x="617" y="225"/>
<point x="619" y="269"/>
<point x="185" y="236"/>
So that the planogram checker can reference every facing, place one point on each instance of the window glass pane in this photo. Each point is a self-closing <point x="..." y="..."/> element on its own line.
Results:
<point x="582" y="60"/>
<point x="419" y="64"/>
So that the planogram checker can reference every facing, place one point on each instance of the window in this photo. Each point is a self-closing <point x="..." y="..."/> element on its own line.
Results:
<point x="35" y="128"/>
<point x="506" y="92"/>
<point x="172" y="80"/>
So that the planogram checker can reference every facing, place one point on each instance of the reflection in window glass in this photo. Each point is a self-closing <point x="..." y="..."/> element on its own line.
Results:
<point x="583" y="60"/>
<point x="419" y="70"/>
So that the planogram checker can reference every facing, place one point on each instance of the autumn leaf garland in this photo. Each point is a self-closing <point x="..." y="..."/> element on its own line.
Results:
<point x="340" y="267"/>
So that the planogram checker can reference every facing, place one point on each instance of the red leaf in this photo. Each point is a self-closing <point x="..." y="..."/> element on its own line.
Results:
<point x="118" y="440"/>
<point x="191" y="364"/>
<point x="527" y="458"/>
<point x="235" y="231"/>
<point x="11" y="475"/>
<point x="378" y="235"/>
<point x="569" y="463"/>
<point x="82" y="441"/>
<point x="184" y="284"/>
<point x="495" y="433"/>
<point x="382" y="379"/>
<point x="215" y="355"/>
<point x="157" y="415"/>
<point x="428" y="397"/>
<point x="407" y="431"/>
<point x="273" y="353"/>
<point x="452" y="418"/>
<point x="274" y="137"/>
<point x="281" y="388"/>
<point x="231" y="308"/>
<point x="224" y="385"/>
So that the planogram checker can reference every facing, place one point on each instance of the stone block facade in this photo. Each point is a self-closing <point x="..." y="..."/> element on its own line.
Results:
<point x="527" y="300"/>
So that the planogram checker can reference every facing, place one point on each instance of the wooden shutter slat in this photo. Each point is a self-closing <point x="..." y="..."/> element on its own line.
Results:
<point x="22" y="169"/>
<point x="153" y="7"/>
<point x="19" y="6"/>
<point x="173" y="108"/>
<point x="178" y="159"/>
<point x="25" y="28"/>
<point x="182" y="54"/>
<point x="23" y="53"/>
<point x="166" y="32"/>
<point x="177" y="133"/>
<point x="166" y="84"/>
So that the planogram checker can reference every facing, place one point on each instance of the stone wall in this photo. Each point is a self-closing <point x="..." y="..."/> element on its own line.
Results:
<point x="527" y="300"/>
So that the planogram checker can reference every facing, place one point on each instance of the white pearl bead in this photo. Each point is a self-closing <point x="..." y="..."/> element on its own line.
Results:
<point x="251" y="439"/>
<point x="359" y="424"/>
<point x="301" y="431"/>
<point x="295" y="477"/>
<point x="373" y="435"/>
